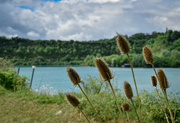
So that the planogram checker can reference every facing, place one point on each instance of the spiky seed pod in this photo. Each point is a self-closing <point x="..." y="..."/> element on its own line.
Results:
<point x="122" y="44"/>
<point x="148" y="56"/>
<point x="72" y="100"/>
<point x="163" y="82"/>
<point x="128" y="90"/>
<point x="73" y="75"/>
<point x="154" y="81"/>
<point x="103" y="69"/>
<point x="125" y="106"/>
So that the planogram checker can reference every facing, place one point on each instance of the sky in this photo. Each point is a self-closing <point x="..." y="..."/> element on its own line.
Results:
<point x="85" y="20"/>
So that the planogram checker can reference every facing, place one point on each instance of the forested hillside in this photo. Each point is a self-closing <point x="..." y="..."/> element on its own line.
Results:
<point x="165" y="46"/>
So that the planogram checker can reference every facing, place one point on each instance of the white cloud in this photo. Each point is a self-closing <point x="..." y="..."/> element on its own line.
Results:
<point x="168" y="16"/>
<point x="88" y="20"/>
<point x="33" y="34"/>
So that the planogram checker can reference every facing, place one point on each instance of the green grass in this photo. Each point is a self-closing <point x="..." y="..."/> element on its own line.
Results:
<point x="27" y="106"/>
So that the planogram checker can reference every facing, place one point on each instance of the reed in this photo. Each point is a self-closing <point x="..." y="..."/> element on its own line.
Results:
<point x="125" y="107"/>
<point x="124" y="47"/>
<point x="162" y="79"/>
<point x="105" y="73"/>
<point x="129" y="94"/>
<point x="73" y="100"/>
<point x="154" y="84"/>
<point x="75" y="79"/>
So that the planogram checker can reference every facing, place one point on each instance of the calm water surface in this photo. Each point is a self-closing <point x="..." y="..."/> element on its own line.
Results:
<point x="57" y="78"/>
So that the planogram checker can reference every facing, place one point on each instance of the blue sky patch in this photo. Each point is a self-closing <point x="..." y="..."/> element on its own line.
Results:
<point x="26" y="7"/>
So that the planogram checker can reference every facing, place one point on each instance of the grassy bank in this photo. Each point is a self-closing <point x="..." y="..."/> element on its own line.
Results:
<point x="27" y="106"/>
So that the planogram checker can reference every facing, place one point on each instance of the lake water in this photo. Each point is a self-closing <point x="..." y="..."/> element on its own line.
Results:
<point x="57" y="79"/>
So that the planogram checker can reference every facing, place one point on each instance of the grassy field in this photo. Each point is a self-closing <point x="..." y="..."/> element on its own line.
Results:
<point x="25" y="106"/>
<point x="29" y="107"/>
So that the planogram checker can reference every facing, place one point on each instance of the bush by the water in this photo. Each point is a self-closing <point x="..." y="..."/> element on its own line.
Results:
<point x="9" y="78"/>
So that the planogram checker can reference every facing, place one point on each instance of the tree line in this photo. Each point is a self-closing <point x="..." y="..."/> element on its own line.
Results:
<point x="21" y="51"/>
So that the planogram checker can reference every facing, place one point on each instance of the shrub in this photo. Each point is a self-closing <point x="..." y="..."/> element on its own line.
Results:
<point x="9" y="78"/>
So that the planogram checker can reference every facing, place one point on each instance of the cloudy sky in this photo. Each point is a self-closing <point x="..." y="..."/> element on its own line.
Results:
<point x="86" y="19"/>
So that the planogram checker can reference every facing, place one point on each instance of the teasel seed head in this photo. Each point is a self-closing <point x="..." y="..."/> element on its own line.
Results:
<point x="148" y="56"/>
<point x="73" y="100"/>
<point x="103" y="69"/>
<point x="154" y="81"/>
<point x="73" y="75"/>
<point x="125" y="106"/>
<point x="122" y="44"/>
<point x="128" y="90"/>
<point x="163" y="82"/>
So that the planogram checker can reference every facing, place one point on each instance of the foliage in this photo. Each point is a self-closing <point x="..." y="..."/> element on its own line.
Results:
<point x="92" y="85"/>
<point x="9" y="78"/>
<point x="52" y="52"/>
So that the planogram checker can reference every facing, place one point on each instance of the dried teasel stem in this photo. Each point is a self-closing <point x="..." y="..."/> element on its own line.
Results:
<point x="72" y="100"/>
<point x="128" y="90"/>
<point x="84" y="115"/>
<point x="148" y="56"/>
<point x="135" y="110"/>
<point x="135" y="86"/>
<point x="154" y="81"/>
<point x="75" y="79"/>
<point x="162" y="106"/>
<point x="103" y="69"/>
<point x="122" y="44"/>
<point x="128" y="117"/>
<point x="154" y="84"/>
<point x="105" y="73"/>
<point x="163" y="83"/>
<point x="164" y="92"/>
<point x="124" y="47"/>
<point x="129" y="94"/>
<point x="73" y="75"/>
<point x="166" y="98"/>
<point x="116" y="100"/>
<point x="89" y="102"/>
<point x="125" y="107"/>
